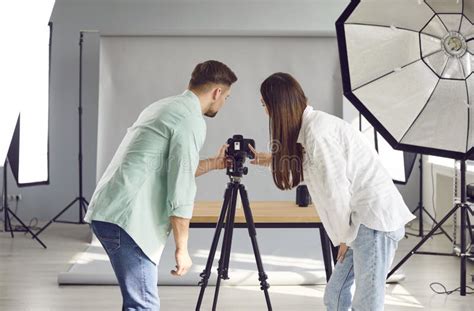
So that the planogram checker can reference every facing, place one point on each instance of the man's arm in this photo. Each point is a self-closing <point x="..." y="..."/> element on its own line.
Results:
<point x="181" y="234"/>
<point x="216" y="163"/>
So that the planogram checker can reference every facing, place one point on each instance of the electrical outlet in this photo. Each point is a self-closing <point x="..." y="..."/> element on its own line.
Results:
<point x="14" y="197"/>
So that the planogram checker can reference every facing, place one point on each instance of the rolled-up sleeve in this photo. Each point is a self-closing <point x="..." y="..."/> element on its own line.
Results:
<point x="183" y="161"/>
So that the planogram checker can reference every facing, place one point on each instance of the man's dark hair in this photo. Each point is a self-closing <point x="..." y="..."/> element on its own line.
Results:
<point x="211" y="72"/>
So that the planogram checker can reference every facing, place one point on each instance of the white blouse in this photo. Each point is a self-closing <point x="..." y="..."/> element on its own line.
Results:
<point x="346" y="179"/>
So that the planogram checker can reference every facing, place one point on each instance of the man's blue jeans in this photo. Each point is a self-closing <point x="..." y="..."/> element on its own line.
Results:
<point x="136" y="274"/>
<point x="367" y="261"/>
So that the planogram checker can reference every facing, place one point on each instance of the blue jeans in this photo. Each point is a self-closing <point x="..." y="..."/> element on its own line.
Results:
<point x="367" y="261"/>
<point x="136" y="274"/>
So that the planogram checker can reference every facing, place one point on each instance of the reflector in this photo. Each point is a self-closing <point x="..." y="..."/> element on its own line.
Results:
<point x="399" y="164"/>
<point x="407" y="67"/>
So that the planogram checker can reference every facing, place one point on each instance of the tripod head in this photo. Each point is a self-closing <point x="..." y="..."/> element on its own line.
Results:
<point x="237" y="153"/>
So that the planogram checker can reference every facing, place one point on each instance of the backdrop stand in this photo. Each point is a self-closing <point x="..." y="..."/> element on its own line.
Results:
<point x="8" y="212"/>
<point x="82" y="202"/>
<point x="464" y="252"/>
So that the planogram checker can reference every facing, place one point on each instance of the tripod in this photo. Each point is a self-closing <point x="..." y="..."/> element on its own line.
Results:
<point x="422" y="210"/>
<point x="8" y="212"/>
<point x="83" y="203"/>
<point x="464" y="253"/>
<point x="227" y="215"/>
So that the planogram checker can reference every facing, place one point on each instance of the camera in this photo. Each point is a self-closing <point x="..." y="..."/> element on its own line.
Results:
<point x="237" y="152"/>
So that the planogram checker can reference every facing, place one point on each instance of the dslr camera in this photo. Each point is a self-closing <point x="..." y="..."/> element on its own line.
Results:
<point x="237" y="152"/>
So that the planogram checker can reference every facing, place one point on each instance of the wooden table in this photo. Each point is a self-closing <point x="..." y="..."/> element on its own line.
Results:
<point x="269" y="214"/>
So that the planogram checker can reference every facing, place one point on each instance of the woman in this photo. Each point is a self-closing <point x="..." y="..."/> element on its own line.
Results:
<point x="360" y="207"/>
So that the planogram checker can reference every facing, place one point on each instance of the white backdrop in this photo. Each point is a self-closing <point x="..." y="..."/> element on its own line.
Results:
<point x="136" y="71"/>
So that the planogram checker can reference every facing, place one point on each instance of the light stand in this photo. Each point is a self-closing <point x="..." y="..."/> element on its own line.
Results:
<point x="227" y="215"/>
<point x="8" y="212"/>
<point x="422" y="210"/>
<point x="464" y="253"/>
<point x="83" y="203"/>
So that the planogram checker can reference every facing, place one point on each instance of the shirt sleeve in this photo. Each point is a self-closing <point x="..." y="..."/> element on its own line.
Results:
<point x="329" y="181"/>
<point x="183" y="161"/>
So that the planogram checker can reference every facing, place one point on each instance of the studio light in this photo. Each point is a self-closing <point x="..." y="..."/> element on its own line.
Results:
<point x="399" y="164"/>
<point x="407" y="67"/>
<point x="25" y="89"/>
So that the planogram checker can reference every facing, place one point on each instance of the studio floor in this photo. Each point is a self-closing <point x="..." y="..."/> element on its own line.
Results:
<point x="28" y="281"/>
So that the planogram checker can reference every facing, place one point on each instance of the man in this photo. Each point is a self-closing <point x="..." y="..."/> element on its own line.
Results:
<point x="149" y="187"/>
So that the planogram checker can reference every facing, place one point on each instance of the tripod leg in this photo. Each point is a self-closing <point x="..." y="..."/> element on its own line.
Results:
<point x="253" y="237"/>
<point x="215" y="241"/>
<point x="229" y="234"/>
<point x="222" y="272"/>
<point x="8" y="223"/>
<point x="440" y="228"/>
<point x="56" y="217"/>
<point x="27" y="229"/>
<point x="463" y="249"/>
<point x="469" y="224"/>
<point x="426" y="237"/>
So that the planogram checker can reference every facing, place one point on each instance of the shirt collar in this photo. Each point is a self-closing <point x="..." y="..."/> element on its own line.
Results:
<point x="304" y="120"/>
<point x="193" y="97"/>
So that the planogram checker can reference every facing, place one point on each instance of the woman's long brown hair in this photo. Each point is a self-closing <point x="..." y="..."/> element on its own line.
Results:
<point x="286" y="102"/>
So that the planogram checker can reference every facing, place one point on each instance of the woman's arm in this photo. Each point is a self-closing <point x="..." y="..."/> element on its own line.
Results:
<point x="261" y="158"/>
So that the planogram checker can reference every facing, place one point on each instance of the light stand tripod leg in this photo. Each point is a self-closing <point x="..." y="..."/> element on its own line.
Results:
<point x="253" y="237"/>
<point x="25" y="227"/>
<point x="8" y="224"/>
<point x="463" y="250"/>
<point x="425" y="238"/>
<point x="56" y="217"/>
<point x="440" y="228"/>
<point x="215" y="241"/>
<point x="226" y="244"/>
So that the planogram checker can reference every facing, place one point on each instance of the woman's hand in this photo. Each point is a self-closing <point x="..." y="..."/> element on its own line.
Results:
<point x="261" y="158"/>
<point x="342" y="252"/>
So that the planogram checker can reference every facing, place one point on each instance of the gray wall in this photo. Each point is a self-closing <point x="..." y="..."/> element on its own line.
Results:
<point x="259" y="17"/>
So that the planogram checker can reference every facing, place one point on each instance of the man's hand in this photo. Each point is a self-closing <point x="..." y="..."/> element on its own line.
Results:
<point x="181" y="232"/>
<point x="183" y="262"/>
<point x="342" y="252"/>
<point x="218" y="162"/>
<point x="261" y="158"/>
<point x="221" y="160"/>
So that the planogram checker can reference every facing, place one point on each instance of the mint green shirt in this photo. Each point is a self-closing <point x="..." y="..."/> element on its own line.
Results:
<point x="152" y="174"/>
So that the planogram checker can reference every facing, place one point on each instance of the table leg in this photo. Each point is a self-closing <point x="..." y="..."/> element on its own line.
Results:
<point x="326" y="247"/>
<point x="334" y="251"/>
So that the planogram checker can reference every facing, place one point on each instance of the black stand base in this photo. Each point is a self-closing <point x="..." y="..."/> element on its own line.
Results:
<point x="8" y="225"/>
<point x="421" y="209"/>
<point x="227" y="215"/>
<point x="464" y="252"/>
<point x="8" y="212"/>
<point x="82" y="211"/>
<point x="421" y="232"/>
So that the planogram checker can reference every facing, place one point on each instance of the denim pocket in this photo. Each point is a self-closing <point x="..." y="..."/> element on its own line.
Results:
<point x="396" y="235"/>
<point x="108" y="235"/>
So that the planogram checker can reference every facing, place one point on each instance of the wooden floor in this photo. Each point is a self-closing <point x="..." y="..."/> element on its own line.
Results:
<point x="28" y="281"/>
